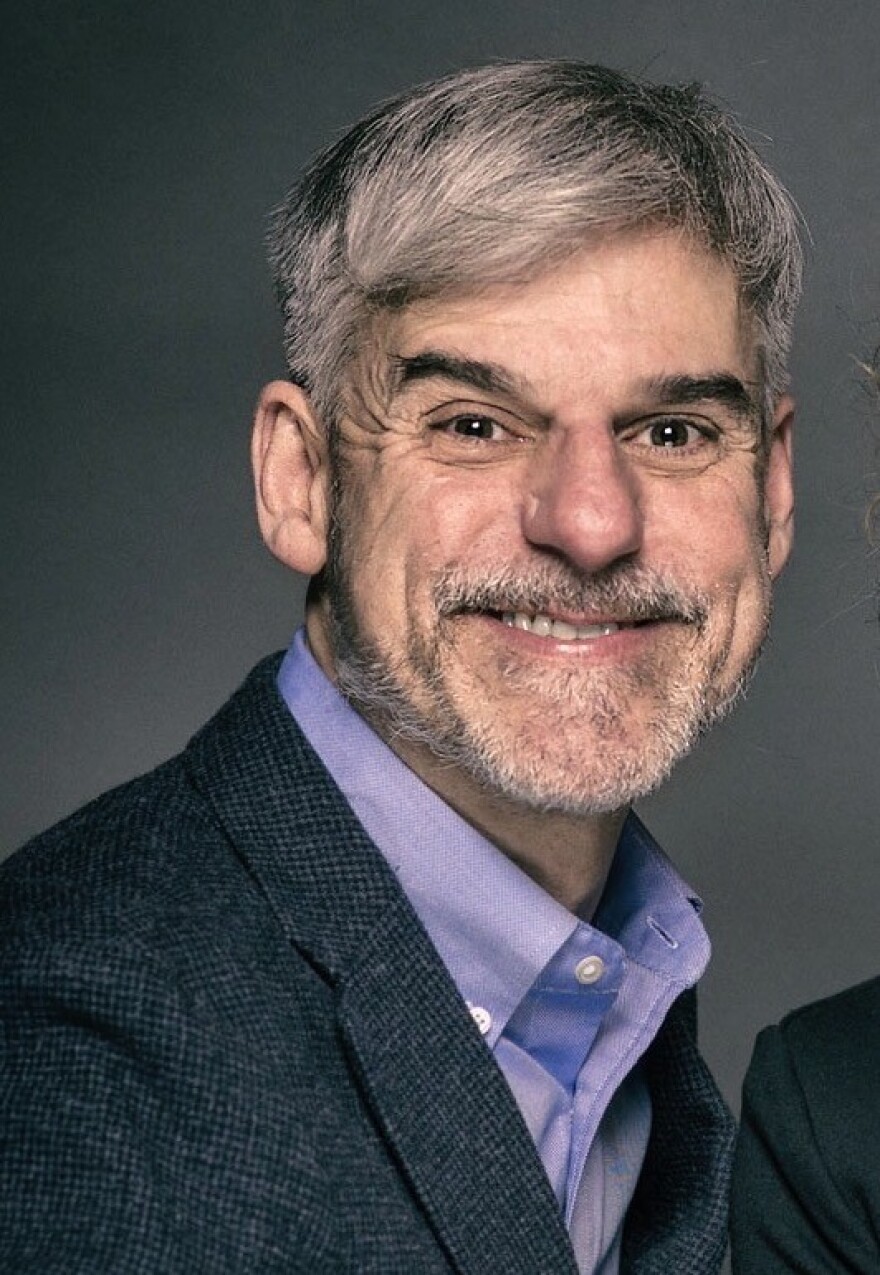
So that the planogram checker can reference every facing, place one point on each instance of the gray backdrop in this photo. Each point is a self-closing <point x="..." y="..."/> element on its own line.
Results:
<point x="147" y="143"/>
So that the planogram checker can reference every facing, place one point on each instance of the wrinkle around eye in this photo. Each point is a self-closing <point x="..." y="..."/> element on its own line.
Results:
<point x="363" y="426"/>
<point x="728" y="433"/>
<point x="447" y="446"/>
<point x="706" y="444"/>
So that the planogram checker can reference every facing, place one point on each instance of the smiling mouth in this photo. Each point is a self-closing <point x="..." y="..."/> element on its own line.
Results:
<point x="557" y="606"/>
<point x="562" y="630"/>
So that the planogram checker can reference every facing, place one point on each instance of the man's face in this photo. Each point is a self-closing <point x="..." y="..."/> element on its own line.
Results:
<point x="551" y="564"/>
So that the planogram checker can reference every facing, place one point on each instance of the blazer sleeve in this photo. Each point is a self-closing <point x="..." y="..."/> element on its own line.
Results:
<point x="798" y="1204"/>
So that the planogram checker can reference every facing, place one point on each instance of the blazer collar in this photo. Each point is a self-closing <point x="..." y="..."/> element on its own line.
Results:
<point x="438" y="1095"/>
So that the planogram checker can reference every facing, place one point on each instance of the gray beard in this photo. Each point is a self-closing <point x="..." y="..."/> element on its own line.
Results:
<point x="689" y="702"/>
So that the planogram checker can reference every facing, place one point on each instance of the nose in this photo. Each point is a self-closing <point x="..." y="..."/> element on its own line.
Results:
<point x="583" y="501"/>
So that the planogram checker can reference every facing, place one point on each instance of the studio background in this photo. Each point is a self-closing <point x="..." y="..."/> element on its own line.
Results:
<point x="146" y="144"/>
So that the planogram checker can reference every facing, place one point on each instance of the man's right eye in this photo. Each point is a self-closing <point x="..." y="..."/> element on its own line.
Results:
<point x="468" y="432"/>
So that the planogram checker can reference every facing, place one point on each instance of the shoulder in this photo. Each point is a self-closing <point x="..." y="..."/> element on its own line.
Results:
<point x="821" y="1020"/>
<point x="125" y="849"/>
<point x="149" y="855"/>
<point x="829" y="1050"/>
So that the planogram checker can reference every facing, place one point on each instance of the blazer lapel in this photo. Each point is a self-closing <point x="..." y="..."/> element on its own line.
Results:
<point x="447" y="1110"/>
<point x="422" y="1066"/>
<point x="678" y="1219"/>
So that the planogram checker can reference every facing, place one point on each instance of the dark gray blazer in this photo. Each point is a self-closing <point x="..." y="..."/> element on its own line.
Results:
<point x="807" y="1180"/>
<point x="229" y="1046"/>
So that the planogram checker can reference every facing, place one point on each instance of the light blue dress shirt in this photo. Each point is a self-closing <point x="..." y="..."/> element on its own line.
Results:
<point x="566" y="1007"/>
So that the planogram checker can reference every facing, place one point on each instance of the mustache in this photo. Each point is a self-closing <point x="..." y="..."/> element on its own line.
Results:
<point x="623" y="591"/>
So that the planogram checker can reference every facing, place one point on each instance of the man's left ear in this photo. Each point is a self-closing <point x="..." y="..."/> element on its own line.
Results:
<point x="291" y="477"/>
<point x="779" y="487"/>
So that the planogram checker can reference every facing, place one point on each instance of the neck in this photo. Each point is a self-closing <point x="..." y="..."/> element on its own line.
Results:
<point x="569" y="856"/>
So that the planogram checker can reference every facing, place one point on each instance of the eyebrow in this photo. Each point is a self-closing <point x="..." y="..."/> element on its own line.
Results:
<point x="488" y="378"/>
<point x="491" y="378"/>
<point x="718" y="387"/>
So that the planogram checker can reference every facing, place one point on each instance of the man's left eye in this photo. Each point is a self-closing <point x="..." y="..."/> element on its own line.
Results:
<point x="672" y="432"/>
<point x="482" y="428"/>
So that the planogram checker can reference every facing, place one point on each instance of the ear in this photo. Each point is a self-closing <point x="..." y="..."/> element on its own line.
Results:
<point x="291" y="475"/>
<point x="779" y="487"/>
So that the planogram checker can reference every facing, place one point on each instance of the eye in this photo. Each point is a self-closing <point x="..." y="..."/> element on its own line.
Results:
<point x="673" y="431"/>
<point x="475" y="434"/>
<point x="481" y="428"/>
<point x="681" y="441"/>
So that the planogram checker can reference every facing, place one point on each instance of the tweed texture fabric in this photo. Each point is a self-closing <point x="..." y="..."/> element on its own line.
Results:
<point x="229" y="1046"/>
<point x="806" y="1194"/>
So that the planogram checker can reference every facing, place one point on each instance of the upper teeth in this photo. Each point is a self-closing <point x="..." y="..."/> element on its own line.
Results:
<point x="544" y="626"/>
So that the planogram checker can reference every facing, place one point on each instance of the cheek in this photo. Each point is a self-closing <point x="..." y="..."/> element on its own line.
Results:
<point x="722" y="534"/>
<point x="446" y="518"/>
<point x="393" y="549"/>
<point x="741" y="573"/>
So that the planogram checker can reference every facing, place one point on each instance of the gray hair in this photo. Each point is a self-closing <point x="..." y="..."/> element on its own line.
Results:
<point x="495" y="175"/>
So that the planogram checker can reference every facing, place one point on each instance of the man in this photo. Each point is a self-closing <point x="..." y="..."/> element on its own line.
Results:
<point x="380" y="975"/>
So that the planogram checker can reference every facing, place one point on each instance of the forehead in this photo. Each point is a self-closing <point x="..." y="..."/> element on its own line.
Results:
<point x="630" y="308"/>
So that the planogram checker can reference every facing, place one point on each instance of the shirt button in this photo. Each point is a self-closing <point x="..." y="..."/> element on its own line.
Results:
<point x="589" y="970"/>
<point x="481" y="1017"/>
